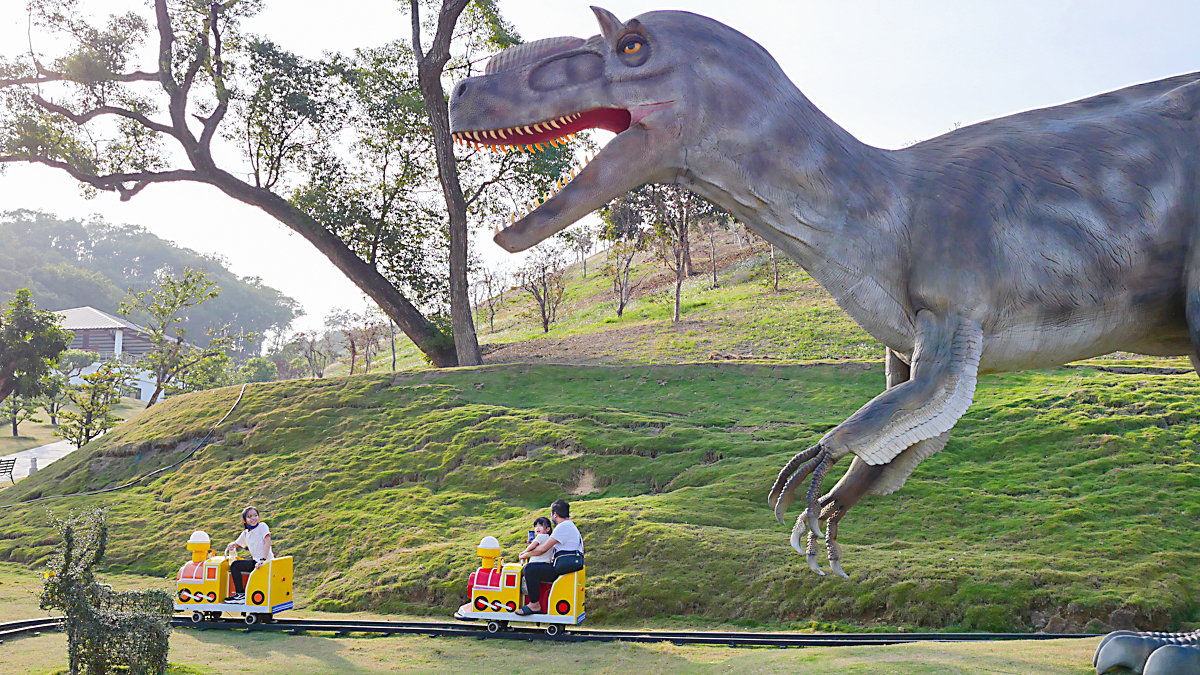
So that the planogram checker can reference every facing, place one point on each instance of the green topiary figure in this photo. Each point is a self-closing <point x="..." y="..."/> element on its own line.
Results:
<point x="104" y="627"/>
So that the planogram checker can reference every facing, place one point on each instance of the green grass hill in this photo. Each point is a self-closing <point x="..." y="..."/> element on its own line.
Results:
<point x="1067" y="495"/>
<point x="1066" y="499"/>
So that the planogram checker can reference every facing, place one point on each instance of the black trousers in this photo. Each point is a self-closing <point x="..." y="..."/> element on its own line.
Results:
<point x="236" y="568"/>
<point x="539" y="573"/>
<point x="535" y="574"/>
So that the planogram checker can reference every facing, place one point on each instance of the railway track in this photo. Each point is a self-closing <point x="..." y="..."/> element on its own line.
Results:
<point x="480" y="631"/>
<point x="13" y="628"/>
<point x="731" y="639"/>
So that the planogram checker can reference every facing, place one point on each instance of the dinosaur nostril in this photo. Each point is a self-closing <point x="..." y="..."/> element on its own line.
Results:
<point x="460" y="89"/>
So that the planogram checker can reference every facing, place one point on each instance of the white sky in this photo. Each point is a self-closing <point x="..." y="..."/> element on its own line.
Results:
<point x="890" y="71"/>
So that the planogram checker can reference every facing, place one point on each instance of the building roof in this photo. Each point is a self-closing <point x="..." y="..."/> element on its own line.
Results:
<point x="85" y="318"/>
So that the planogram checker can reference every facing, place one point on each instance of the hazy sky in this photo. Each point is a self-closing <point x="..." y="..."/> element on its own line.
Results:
<point x="891" y="72"/>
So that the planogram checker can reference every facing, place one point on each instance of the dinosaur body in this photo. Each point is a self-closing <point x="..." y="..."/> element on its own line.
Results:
<point x="1022" y="242"/>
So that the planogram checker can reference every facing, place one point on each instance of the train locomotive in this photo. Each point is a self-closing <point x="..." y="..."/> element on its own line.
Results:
<point x="204" y="585"/>
<point x="496" y="592"/>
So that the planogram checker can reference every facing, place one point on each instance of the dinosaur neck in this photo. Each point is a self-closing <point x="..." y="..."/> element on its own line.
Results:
<point x="814" y="191"/>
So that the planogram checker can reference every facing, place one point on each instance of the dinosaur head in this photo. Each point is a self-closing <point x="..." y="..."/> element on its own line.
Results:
<point x="653" y="80"/>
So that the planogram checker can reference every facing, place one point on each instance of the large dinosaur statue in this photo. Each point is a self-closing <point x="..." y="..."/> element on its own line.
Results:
<point x="1023" y="242"/>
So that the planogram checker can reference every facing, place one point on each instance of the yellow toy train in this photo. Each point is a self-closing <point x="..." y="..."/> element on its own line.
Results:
<point x="204" y="585"/>
<point x="496" y="593"/>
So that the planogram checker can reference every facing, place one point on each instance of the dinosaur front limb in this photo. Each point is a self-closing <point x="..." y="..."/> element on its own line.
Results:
<point x="920" y="410"/>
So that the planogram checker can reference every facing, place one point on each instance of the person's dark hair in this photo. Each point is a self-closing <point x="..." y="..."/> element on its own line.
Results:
<point x="561" y="508"/>
<point x="544" y="522"/>
<point x="246" y="511"/>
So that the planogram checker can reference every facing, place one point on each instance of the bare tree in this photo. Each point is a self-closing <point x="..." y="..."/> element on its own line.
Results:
<point x="709" y="227"/>
<point x="316" y="350"/>
<point x="580" y="239"/>
<point x="623" y="232"/>
<point x="543" y="278"/>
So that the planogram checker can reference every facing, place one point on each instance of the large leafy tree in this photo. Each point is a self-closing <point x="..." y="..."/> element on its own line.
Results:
<point x="30" y="344"/>
<point x="297" y="122"/>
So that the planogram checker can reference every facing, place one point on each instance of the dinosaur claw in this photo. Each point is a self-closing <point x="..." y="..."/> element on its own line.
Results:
<point x="781" y="507"/>
<point x="812" y="564"/>
<point x="836" y="566"/>
<point x="814" y="526"/>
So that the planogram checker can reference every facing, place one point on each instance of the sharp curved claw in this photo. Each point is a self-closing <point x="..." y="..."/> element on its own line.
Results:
<point x="813" y="523"/>
<point x="836" y="566"/>
<point x="798" y="532"/>
<point x="812" y="563"/>
<point x="782" y="480"/>
<point x="781" y="506"/>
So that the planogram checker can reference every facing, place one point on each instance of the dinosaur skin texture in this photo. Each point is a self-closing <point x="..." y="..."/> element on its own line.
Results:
<point x="1149" y="653"/>
<point x="1022" y="242"/>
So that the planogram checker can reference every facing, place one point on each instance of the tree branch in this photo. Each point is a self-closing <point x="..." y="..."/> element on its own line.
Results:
<point x="88" y="116"/>
<point x="113" y="182"/>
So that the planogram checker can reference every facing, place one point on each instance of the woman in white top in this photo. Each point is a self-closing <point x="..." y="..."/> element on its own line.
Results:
<point x="257" y="538"/>
<point x="567" y="544"/>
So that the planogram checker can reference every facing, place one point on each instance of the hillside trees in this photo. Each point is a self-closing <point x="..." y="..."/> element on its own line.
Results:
<point x="17" y="409"/>
<point x="94" y="115"/>
<point x="173" y="357"/>
<point x="581" y="240"/>
<point x="93" y="400"/>
<point x="543" y="276"/>
<point x="66" y="263"/>
<point x="317" y="351"/>
<point x="70" y="364"/>
<point x="671" y="211"/>
<point x="623" y="230"/>
<point x="30" y="343"/>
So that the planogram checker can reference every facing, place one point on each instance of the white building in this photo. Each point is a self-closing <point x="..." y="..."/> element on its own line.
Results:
<point x="111" y="338"/>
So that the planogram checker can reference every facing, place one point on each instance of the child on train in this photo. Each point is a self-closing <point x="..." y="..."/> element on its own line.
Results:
<point x="257" y="538"/>
<point x="541" y="529"/>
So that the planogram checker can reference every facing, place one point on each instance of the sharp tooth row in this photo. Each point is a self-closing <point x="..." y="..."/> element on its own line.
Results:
<point x="484" y="138"/>
<point x="562" y="182"/>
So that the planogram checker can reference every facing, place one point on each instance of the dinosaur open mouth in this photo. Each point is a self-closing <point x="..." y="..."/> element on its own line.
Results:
<point x="539" y="136"/>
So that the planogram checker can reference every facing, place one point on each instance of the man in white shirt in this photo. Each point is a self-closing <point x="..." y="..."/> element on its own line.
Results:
<point x="567" y="544"/>
<point x="257" y="538"/>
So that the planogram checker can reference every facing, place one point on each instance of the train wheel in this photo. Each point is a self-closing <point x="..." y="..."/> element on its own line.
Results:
<point x="251" y="619"/>
<point x="552" y="630"/>
<point x="197" y="616"/>
<point x="493" y="626"/>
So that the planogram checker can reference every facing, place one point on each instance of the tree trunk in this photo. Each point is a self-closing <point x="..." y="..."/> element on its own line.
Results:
<point x="678" y="291"/>
<point x="775" y="267"/>
<point x="14" y="426"/>
<point x="392" y="330"/>
<point x="429" y="76"/>
<point x="688" y="269"/>
<point x="712" y="254"/>
<point x="158" y="390"/>
<point x="420" y="330"/>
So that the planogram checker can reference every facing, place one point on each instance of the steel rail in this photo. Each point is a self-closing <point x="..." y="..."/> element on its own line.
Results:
<point x="461" y="629"/>
<point x="11" y="628"/>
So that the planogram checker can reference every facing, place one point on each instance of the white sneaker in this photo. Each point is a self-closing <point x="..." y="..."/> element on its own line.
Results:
<point x="238" y="598"/>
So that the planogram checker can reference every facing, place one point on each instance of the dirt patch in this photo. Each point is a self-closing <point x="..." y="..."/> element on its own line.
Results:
<point x="586" y="484"/>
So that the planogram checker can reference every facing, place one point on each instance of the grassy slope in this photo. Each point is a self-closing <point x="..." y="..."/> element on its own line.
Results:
<point x="33" y="434"/>
<point x="1065" y="492"/>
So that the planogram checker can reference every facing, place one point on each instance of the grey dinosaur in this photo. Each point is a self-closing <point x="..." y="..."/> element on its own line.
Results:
<point x="1022" y="242"/>
<point x="1149" y="653"/>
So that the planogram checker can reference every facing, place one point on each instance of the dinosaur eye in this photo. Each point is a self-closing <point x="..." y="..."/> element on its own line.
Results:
<point x="633" y="50"/>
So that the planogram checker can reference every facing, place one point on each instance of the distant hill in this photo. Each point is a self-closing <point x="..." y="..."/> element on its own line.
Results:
<point x="66" y="263"/>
